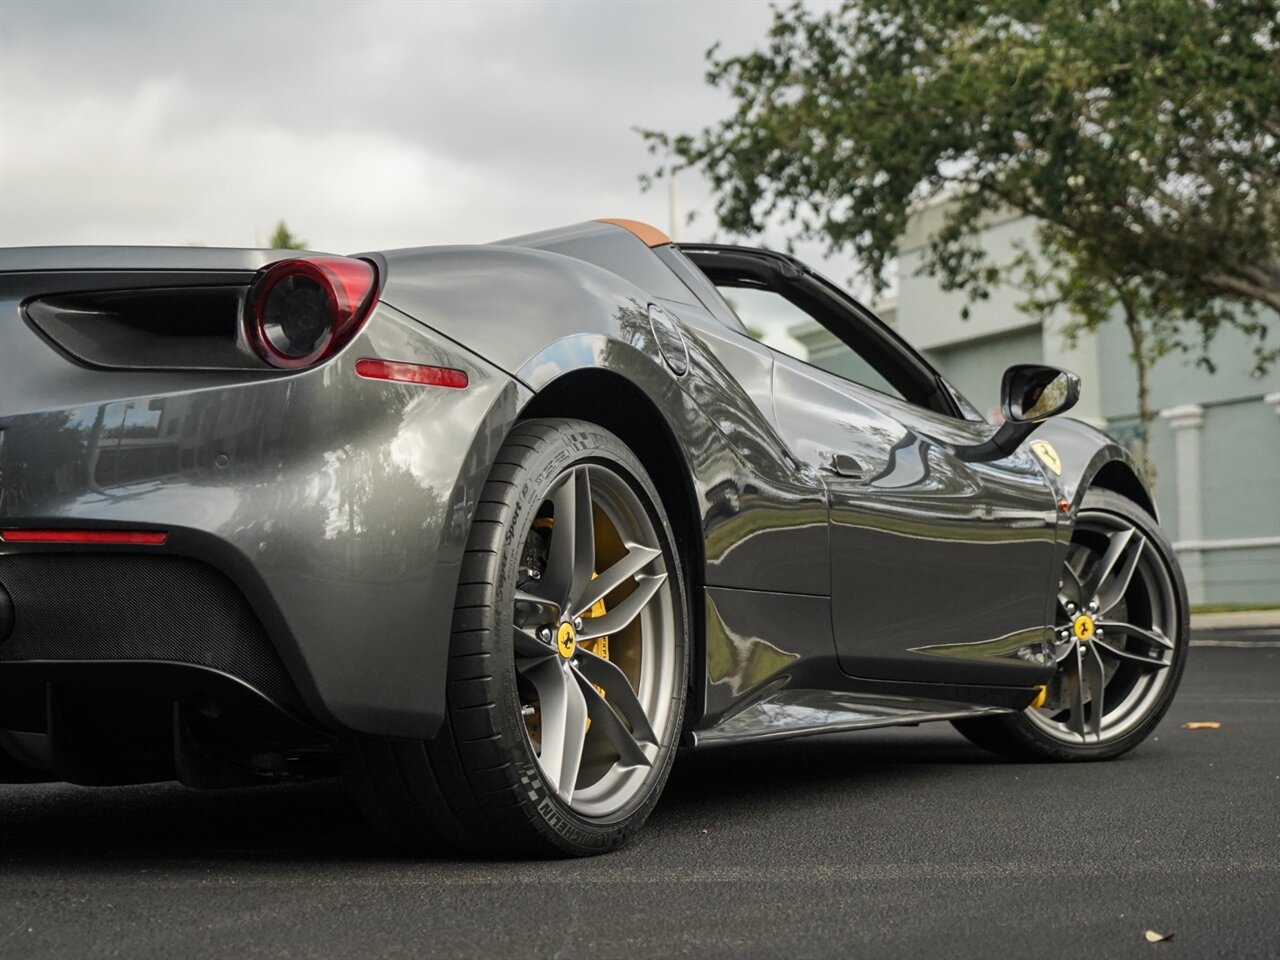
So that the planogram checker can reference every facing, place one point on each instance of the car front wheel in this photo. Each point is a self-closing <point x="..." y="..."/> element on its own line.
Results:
<point x="1120" y="642"/>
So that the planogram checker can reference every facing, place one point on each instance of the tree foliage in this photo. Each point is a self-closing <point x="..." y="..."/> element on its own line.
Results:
<point x="283" y="239"/>
<point x="1144" y="136"/>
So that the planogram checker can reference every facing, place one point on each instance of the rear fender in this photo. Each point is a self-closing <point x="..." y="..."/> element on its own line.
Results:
<point x="751" y="521"/>
<point x="507" y="304"/>
<point x="339" y="505"/>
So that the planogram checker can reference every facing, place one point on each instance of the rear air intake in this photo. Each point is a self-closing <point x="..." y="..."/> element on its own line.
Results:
<point x="157" y="328"/>
<point x="288" y="315"/>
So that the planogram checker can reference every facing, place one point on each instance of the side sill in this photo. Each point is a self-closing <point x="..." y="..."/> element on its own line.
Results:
<point x="804" y="713"/>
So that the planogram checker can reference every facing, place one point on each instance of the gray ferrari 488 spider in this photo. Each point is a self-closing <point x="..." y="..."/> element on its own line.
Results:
<point x="492" y="531"/>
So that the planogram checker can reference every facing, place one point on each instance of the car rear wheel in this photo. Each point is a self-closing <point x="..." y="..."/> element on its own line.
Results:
<point x="1120" y="642"/>
<point x="568" y="663"/>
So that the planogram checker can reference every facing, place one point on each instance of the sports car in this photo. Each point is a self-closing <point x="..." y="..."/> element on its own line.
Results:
<point x="493" y="532"/>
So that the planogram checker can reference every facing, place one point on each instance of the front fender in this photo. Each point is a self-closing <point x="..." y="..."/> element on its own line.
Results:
<point x="1083" y="452"/>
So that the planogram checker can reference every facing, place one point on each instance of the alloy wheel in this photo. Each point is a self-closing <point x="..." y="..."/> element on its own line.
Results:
<point x="1113" y="642"/>
<point x="594" y="632"/>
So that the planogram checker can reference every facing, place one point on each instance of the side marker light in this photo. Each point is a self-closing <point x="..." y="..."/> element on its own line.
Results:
<point x="147" y="538"/>
<point x="412" y="373"/>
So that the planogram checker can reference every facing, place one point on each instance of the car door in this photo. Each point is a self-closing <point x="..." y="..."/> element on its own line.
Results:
<point x="941" y="570"/>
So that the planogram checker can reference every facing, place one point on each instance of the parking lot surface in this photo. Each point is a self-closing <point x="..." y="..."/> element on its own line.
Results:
<point x="896" y="843"/>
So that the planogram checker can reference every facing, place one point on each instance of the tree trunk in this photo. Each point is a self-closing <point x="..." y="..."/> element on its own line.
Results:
<point x="1146" y="416"/>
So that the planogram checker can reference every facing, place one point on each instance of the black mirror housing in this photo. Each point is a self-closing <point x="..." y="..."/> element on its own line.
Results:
<point x="1030" y="393"/>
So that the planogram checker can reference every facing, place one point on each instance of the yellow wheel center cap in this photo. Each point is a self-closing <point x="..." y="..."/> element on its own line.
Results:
<point x="1082" y="627"/>
<point x="566" y="640"/>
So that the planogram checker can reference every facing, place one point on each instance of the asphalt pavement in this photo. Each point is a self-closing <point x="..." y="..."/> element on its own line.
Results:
<point x="897" y="843"/>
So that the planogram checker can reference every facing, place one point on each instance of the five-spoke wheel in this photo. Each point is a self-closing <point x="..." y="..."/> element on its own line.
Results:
<point x="567" y="666"/>
<point x="593" y="629"/>
<point x="1116" y="614"/>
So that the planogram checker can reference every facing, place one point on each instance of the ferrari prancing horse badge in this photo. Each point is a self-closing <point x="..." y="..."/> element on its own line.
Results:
<point x="1048" y="456"/>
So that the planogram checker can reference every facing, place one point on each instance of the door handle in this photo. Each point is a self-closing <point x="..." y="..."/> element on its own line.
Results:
<point x="843" y="465"/>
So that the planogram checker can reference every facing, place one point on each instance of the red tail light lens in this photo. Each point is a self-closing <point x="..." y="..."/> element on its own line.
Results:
<point x="303" y="311"/>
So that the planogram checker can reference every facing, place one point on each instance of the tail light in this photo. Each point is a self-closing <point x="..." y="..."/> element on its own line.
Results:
<point x="303" y="311"/>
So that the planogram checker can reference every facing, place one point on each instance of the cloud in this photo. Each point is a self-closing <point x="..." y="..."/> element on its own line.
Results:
<point x="130" y="169"/>
<point x="363" y="125"/>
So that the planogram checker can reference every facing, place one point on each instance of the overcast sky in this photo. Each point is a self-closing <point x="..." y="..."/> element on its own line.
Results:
<point x="364" y="125"/>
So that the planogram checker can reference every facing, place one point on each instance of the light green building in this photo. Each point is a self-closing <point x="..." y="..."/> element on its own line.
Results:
<point x="1216" y="445"/>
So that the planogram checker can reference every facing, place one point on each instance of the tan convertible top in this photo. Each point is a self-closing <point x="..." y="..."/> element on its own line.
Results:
<point x="649" y="234"/>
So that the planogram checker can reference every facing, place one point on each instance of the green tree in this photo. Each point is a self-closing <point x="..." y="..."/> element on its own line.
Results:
<point x="1143" y="136"/>
<point x="283" y="239"/>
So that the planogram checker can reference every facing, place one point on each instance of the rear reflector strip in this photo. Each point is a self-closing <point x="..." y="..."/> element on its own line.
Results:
<point x="148" y="538"/>
<point x="412" y="373"/>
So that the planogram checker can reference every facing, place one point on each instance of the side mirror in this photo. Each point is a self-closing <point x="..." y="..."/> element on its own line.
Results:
<point x="1029" y="394"/>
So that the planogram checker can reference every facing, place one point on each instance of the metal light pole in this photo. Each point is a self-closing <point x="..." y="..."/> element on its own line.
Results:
<point x="673" y="207"/>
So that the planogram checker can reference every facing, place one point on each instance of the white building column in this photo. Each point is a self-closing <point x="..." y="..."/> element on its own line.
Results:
<point x="1187" y="421"/>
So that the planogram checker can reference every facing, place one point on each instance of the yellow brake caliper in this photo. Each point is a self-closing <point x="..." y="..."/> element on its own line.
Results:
<point x="598" y="646"/>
